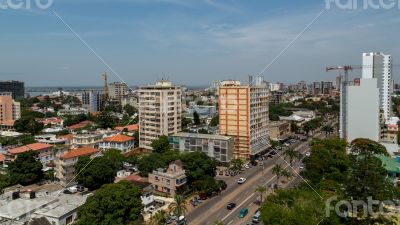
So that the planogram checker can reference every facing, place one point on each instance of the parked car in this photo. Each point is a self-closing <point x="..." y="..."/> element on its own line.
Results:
<point x="308" y="154"/>
<point x="241" y="180"/>
<point x="221" y="172"/>
<point x="231" y="206"/>
<point x="256" y="217"/>
<point x="261" y="164"/>
<point x="243" y="213"/>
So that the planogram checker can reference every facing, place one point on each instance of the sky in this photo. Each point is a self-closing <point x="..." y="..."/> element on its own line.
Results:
<point x="190" y="42"/>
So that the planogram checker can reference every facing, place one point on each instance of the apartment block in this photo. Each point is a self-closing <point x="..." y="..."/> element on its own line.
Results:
<point x="280" y="130"/>
<point x="93" y="101"/>
<point x="160" y="111"/>
<point x="243" y="114"/>
<point x="378" y="65"/>
<point x="117" y="91"/>
<point x="16" y="88"/>
<point x="10" y="110"/>
<point x="215" y="146"/>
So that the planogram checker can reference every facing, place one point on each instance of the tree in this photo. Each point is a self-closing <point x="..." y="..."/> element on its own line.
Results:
<point x="236" y="164"/>
<point x="28" y="124"/>
<point x="94" y="173"/>
<point x="4" y="182"/>
<point x="106" y="120"/>
<point x="198" y="166"/>
<point x="294" y="127"/>
<point x="202" y="131"/>
<point x="117" y="204"/>
<point x="279" y="172"/>
<point x="196" y="118"/>
<point x="178" y="206"/>
<point x="218" y="222"/>
<point x="159" y="218"/>
<point x="328" y="130"/>
<point x="328" y="162"/>
<point x="214" y="121"/>
<point x="261" y="190"/>
<point x="26" y="169"/>
<point x="186" y="122"/>
<point x="130" y="110"/>
<point x="291" y="154"/>
<point x="161" y="144"/>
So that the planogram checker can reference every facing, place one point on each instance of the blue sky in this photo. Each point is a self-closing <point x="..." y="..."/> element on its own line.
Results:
<point x="191" y="42"/>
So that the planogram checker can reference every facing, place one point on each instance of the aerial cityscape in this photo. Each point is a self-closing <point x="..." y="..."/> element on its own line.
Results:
<point x="199" y="112"/>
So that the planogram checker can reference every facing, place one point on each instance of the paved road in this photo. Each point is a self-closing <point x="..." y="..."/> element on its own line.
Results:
<point x="243" y="195"/>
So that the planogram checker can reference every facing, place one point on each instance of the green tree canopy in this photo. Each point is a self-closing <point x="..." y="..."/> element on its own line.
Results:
<point x="130" y="110"/>
<point x="93" y="174"/>
<point x="116" y="204"/>
<point x="196" y="118"/>
<point x="214" y="121"/>
<point x="26" y="169"/>
<point x="28" y="125"/>
<point x="161" y="144"/>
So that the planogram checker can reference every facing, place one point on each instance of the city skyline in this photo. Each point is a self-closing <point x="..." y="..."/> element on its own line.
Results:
<point x="188" y="41"/>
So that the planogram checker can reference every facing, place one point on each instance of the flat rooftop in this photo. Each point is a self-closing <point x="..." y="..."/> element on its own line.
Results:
<point x="202" y="136"/>
<point x="16" y="208"/>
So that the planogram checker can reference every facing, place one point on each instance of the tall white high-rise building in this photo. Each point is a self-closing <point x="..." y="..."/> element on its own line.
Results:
<point x="378" y="65"/>
<point x="160" y="111"/>
<point x="363" y="110"/>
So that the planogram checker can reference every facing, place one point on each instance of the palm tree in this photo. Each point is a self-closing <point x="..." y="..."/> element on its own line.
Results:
<point x="159" y="218"/>
<point x="278" y="172"/>
<point x="291" y="155"/>
<point x="261" y="190"/>
<point x="218" y="222"/>
<point x="178" y="207"/>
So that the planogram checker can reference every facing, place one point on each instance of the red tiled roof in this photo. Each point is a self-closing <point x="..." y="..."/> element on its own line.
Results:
<point x="79" y="152"/>
<point x="133" y="127"/>
<point x="2" y="157"/>
<point x="67" y="137"/>
<point x="80" y="125"/>
<point x="33" y="147"/>
<point x="134" y="177"/>
<point x="120" y="138"/>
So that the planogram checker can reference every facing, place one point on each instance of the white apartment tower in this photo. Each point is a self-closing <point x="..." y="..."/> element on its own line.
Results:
<point x="160" y="109"/>
<point x="243" y="114"/>
<point x="379" y="66"/>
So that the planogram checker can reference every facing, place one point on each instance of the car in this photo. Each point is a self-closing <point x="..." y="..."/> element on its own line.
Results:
<point x="227" y="173"/>
<point x="278" y="148"/>
<point x="247" y="166"/>
<point x="221" y="172"/>
<point x="261" y="164"/>
<point x="241" y="180"/>
<point x="243" y="213"/>
<point x="301" y="167"/>
<point x="231" y="206"/>
<point x="308" y="154"/>
<point x="256" y="217"/>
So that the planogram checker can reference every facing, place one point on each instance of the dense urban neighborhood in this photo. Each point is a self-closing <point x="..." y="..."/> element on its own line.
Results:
<point x="233" y="149"/>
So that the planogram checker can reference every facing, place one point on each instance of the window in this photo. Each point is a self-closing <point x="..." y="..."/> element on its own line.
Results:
<point x="68" y="220"/>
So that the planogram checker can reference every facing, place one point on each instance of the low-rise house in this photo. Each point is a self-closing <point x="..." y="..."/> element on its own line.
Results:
<point x="55" y="121"/>
<point x="49" y="139"/>
<point x="46" y="152"/>
<point x="65" y="165"/>
<point x="128" y="128"/>
<point x="121" y="142"/>
<point x="87" y="140"/>
<point x="171" y="180"/>
<point x="80" y="125"/>
<point x="279" y="130"/>
<point x="216" y="146"/>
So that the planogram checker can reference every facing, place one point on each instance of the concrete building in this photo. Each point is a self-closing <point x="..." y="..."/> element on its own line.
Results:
<point x="326" y="87"/>
<point x="87" y="140"/>
<point x="121" y="142"/>
<point x="279" y="130"/>
<point x="72" y="111"/>
<point x="243" y="114"/>
<point x="93" y="101"/>
<point x="10" y="110"/>
<point x="378" y="65"/>
<point x="16" y="88"/>
<point x="46" y="152"/>
<point x="170" y="181"/>
<point x="216" y="146"/>
<point x="117" y="91"/>
<point x="362" y="111"/>
<point x="276" y="97"/>
<point x="65" y="165"/>
<point x="160" y="111"/>
<point x="204" y="111"/>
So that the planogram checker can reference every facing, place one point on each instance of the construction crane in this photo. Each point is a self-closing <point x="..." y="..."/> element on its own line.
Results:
<point x="105" y="86"/>
<point x="344" y="82"/>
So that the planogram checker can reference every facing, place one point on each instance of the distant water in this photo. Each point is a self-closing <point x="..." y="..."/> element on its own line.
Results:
<point x="37" y="91"/>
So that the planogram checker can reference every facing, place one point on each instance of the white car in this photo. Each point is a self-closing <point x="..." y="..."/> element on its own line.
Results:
<point x="247" y="166"/>
<point x="241" y="180"/>
<point x="308" y="154"/>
